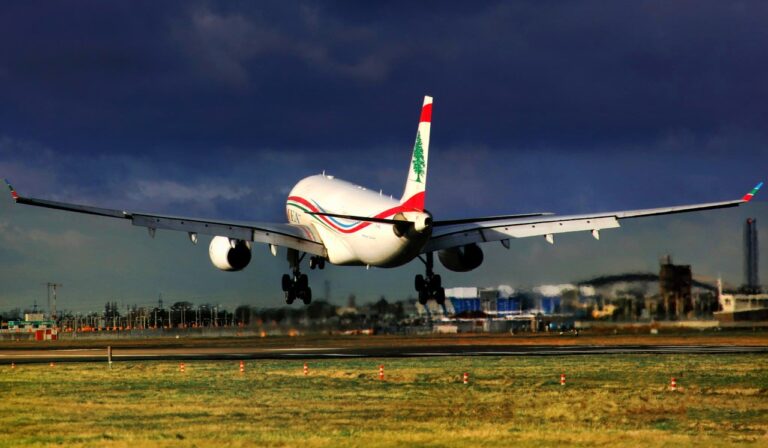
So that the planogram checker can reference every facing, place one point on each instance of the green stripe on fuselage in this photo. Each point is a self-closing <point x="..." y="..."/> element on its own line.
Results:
<point x="308" y="211"/>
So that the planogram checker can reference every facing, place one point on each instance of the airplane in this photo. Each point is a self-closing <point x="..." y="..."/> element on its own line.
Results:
<point x="335" y="221"/>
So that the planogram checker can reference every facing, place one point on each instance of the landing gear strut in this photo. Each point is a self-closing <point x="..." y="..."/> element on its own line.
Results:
<point x="296" y="286"/>
<point x="429" y="286"/>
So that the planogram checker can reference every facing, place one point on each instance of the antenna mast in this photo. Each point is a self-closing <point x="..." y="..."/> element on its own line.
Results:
<point x="52" y="305"/>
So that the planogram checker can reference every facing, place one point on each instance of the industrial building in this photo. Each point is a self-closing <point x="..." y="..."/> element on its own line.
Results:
<point x="675" y="289"/>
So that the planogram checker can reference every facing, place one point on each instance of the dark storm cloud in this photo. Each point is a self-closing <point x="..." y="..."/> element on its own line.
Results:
<point x="181" y="77"/>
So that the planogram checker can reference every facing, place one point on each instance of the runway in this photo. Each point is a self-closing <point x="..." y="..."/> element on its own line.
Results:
<point x="21" y="356"/>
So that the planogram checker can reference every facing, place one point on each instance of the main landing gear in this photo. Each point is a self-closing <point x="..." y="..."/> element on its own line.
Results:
<point x="296" y="285"/>
<point x="429" y="286"/>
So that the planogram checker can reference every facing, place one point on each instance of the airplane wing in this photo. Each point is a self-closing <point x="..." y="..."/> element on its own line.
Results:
<point x="481" y="230"/>
<point x="302" y="238"/>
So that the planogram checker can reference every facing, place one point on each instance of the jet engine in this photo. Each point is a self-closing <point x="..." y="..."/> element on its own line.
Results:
<point x="461" y="259"/>
<point x="229" y="254"/>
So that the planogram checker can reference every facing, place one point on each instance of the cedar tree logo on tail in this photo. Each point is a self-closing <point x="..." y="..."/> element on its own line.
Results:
<point x="418" y="158"/>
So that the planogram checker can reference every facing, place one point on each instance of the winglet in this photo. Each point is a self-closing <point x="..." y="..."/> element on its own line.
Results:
<point x="14" y="195"/>
<point x="748" y="197"/>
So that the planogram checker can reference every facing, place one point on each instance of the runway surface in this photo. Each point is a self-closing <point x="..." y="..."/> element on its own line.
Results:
<point x="222" y="353"/>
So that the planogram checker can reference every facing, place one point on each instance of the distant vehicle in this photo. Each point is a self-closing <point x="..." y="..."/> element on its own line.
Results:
<point x="346" y="224"/>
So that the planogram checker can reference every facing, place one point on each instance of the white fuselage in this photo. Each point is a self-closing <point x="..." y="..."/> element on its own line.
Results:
<point x="352" y="242"/>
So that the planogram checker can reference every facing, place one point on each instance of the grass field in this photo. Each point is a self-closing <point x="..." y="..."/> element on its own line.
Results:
<point x="608" y="400"/>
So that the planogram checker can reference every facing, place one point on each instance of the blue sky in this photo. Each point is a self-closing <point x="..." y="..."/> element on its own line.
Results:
<point x="215" y="109"/>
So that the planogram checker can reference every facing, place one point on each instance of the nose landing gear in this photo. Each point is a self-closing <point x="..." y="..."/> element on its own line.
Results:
<point x="429" y="286"/>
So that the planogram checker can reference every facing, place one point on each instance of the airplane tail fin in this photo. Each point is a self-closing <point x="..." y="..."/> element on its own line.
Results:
<point x="415" y="186"/>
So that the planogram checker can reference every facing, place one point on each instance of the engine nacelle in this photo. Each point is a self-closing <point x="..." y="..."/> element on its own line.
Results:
<point x="229" y="255"/>
<point x="461" y="259"/>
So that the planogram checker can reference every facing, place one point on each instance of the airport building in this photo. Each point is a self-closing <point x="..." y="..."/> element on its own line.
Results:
<point x="500" y="309"/>
<point x="503" y="301"/>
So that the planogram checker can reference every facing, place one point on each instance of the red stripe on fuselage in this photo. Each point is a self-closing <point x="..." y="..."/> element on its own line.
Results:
<point x="407" y="206"/>
<point x="426" y="114"/>
<point x="415" y="203"/>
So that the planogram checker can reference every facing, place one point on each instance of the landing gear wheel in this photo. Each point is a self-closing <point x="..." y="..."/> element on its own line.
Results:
<point x="435" y="282"/>
<point x="419" y="283"/>
<point x="440" y="296"/>
<point x="429" y="286"/>
<point x="302" y="282"/>
<point x="290" y="296"/>
<point x="307" y="296"/>
<point x="317" y="263"/>
<point x="423" y="297"/>
<point x="287" y="283"/>
<point x="296" y="285"/>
